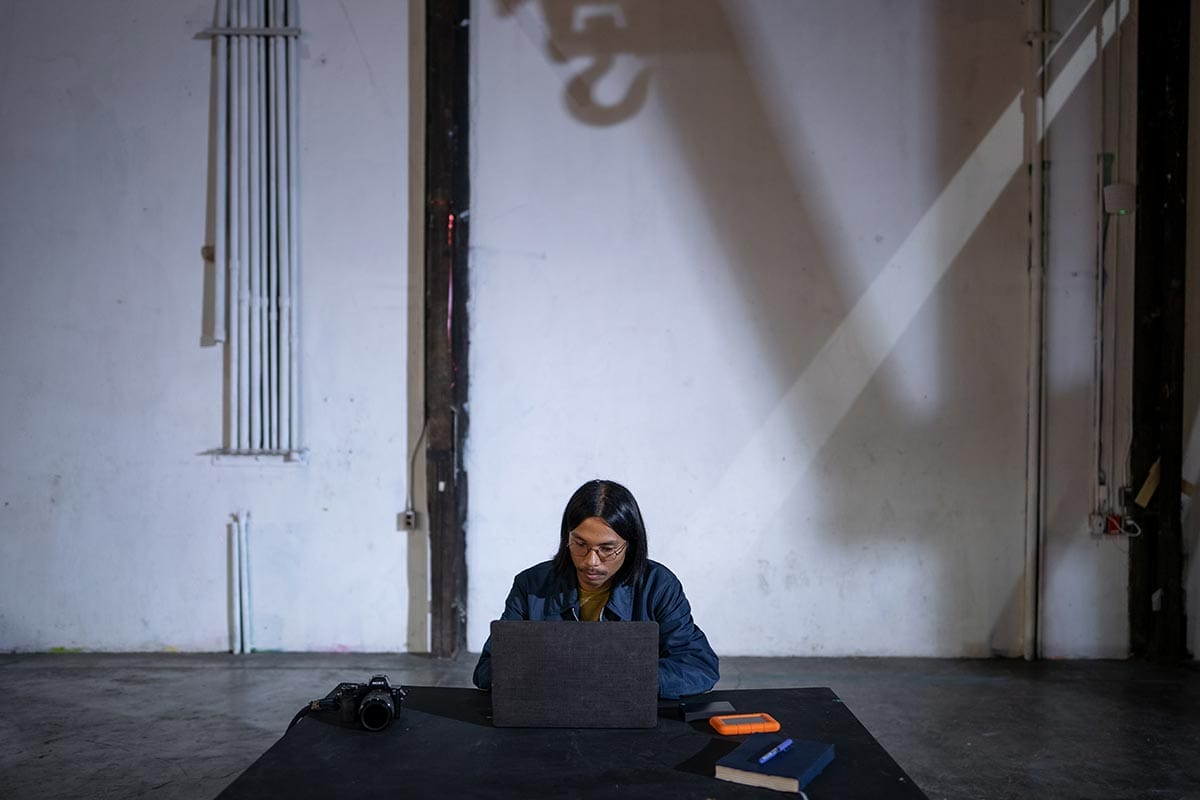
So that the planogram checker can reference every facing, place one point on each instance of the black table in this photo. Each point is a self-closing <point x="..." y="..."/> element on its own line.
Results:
<point x="443" y="745"/>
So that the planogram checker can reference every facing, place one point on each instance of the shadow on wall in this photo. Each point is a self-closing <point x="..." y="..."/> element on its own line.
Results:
<point x="776" y="239"/>
<point x="888" y="289"/>
<point x="827" y="310"/>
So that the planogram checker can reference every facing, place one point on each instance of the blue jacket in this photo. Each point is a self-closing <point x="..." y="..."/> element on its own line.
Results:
<point x="686" y="663"/>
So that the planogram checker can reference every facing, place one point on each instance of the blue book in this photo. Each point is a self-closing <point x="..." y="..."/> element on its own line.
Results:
<point x="788" y="770"/>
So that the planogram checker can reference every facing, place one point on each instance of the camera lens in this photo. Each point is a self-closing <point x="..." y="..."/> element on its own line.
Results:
<point x="376" y="710"/>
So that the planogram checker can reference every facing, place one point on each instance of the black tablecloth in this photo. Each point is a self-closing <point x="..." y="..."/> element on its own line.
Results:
<point x="442" y="744"/>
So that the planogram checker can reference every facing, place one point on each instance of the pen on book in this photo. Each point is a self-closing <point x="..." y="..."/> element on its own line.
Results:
<point x="774" y="751"/>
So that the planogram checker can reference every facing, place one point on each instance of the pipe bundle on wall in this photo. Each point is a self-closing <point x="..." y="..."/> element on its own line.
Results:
<point x="256" y="203"/>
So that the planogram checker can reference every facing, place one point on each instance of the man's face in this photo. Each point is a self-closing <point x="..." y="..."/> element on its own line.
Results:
<point x="597" y="552"/>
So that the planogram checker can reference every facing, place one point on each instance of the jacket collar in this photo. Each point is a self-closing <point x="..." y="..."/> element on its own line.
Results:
<point x="565" y="601"/>
<point x="620" y="603"/>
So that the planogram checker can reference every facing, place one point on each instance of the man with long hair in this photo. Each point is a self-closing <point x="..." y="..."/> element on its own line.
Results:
<point x="601" y="573"/>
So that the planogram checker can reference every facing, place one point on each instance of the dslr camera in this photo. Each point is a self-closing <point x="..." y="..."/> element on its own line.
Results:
<point x="373" y="704"/>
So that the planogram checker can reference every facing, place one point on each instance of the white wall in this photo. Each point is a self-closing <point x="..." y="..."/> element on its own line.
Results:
<point x="113" y="526"/>
<point x="770" y="272"/>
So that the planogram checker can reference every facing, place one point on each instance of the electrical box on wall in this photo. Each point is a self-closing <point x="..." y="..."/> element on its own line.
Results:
<point x="1120" y="198"/>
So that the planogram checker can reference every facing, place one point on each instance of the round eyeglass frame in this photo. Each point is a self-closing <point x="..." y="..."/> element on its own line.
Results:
<point x="581" y="550"/>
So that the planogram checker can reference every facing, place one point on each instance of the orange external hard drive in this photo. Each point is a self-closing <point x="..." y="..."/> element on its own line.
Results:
<point x="734" y="724"/>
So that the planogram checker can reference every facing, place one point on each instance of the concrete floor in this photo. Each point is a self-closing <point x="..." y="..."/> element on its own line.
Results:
<point x="184" y="726"/>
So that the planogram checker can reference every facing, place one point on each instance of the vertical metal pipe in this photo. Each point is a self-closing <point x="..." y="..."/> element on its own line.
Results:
<point x="273" y="46"/>
<point x="293" y="259"/>
<point x="1034" y="143"/>
<point x="243" y="191"/>
<point x="233" y="346"/>
<point x="280" y="328"/>
<point x="257" y="228"/>
<point x="221" y="165"/>
<point x="255" y="189"/>
<point x="260" y="45"/>
<point x="1099" y="478"/>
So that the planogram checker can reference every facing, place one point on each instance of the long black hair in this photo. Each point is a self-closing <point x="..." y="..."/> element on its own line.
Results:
<point x="613" y="503"/>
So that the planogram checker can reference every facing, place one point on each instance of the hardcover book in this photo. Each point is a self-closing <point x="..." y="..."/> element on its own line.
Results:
<point x="788" y="770"/>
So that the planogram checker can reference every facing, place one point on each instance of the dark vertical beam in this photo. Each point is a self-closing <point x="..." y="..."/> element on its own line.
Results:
<point x="1156" y="603"/>
<point x="447" y="202"/>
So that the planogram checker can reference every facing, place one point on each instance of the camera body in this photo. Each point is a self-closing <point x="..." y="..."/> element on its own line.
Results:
<point x="373" y="704"/>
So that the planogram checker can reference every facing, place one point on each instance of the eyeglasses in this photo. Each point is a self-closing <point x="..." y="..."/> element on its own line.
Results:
<point x="605" y="552"/>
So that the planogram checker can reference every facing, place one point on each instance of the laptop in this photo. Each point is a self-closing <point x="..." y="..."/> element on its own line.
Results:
<point x="574" y="674"/>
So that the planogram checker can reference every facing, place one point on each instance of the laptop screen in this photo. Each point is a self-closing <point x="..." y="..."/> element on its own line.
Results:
<point x="574" y="674"/>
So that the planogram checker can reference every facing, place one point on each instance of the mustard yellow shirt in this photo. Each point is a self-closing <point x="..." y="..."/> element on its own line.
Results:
<point x="592" y="603"/>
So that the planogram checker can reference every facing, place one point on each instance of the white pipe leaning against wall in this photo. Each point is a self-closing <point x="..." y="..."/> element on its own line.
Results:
<point x="246" y="605"/>
<point x="242" y="620"/>
<point x="236" y="642"/>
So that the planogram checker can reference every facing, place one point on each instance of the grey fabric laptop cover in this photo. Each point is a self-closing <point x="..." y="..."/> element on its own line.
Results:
<point x="574" y="674"/>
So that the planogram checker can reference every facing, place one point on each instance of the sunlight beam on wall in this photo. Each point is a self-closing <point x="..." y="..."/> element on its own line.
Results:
<point x="771" y="464"/>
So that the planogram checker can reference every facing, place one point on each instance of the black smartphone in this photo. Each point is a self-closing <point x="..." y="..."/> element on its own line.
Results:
<point x="703" y="709"/>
